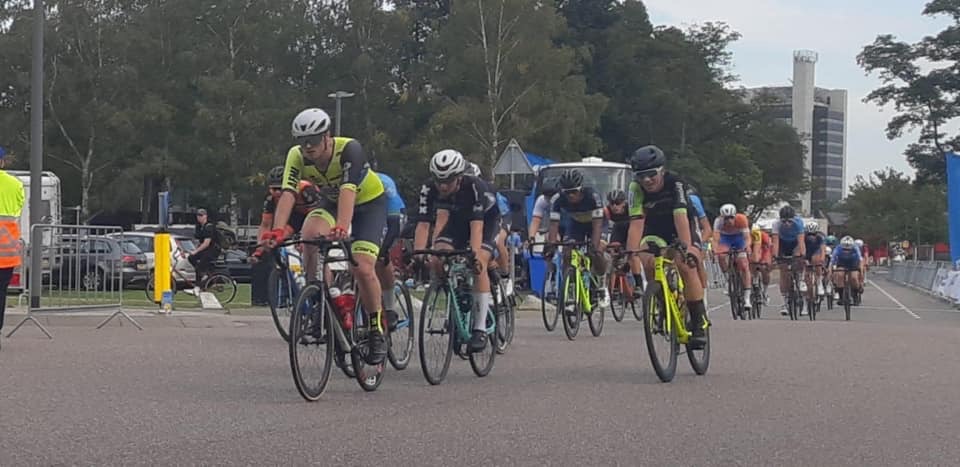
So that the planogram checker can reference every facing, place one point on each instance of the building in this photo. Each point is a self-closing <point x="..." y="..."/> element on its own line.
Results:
<point x="819" y="116"/>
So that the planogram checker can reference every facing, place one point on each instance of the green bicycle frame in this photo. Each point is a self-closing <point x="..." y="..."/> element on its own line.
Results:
<point x="461" y="319"/>
<point x="579" y="262"/>
<point x="671" y="297"/>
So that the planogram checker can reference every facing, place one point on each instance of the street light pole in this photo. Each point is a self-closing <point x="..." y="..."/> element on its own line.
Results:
<point x="36" y="152"/>
<point x="339" y="96"/>
<point x="916" y="247"/>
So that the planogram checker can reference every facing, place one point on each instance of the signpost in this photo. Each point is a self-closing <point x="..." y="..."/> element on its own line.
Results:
<point x="513" y="162"/>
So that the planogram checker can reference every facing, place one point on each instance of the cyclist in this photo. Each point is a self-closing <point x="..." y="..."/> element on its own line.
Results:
<point x="203" y="257"/>
<point x="761" y="254"/>
<point x="731" y="231"/>
<point x="658" y="206"/>
<point x="786" y="244"/>
<point x="396" y="209"/>
<point x="307" y="198"/>
<point x="467" y="216"/>
<point x="815" y="243"/>
<point x="618" y="216"/>
<point x="501" y="254"/>
<point x="846" y="256"/>
<point x="865" y="254"/>
<point x="585" y="210"/>
<point x="352" y="197"/>
<point x="541" y="210"/>
<point x="831" y="241"/>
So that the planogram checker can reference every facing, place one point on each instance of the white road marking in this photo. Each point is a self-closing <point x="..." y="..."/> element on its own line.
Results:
<point x="894" y="300"/>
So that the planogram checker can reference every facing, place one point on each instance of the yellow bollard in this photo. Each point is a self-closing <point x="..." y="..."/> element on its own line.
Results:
<point x="161" y="265"/>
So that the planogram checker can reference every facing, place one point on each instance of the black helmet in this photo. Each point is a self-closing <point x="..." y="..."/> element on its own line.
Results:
<point x="787" y="212"/>
<point x="646" y="158"/>
<point x="275" y="176"/>
<point x="571" y="179"/>
<point x="550" y="189"/>
<point x="616" y="197"/>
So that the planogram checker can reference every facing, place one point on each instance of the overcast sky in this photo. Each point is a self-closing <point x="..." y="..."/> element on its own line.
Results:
<point x="773" y="29"/>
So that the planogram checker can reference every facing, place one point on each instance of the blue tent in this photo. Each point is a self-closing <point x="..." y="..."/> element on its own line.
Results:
<point x="536" y="160"/>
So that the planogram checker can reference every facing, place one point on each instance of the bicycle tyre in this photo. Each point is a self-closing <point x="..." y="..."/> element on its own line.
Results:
<point x="368" y="376"/>
<point x="404" y="333"/>
<point x="570" y="317"/>
<point x="279" y="282"/>
<point x="550" y="316"/>
<point x="428" y="314"/>
<point x="506" y="318"/>
<point x="701" y="363"/>
<point x="150" y="285"/>
<point x="847" y="298"/>
<point x="298" y="330"/>
<point x="221" y="286"/>
<point x="655" y="317"/>
<point x="618" y="297"/>
<point x="595" y="320"/>
<point x="732" y="295"/>
<point x="482" y="362"/>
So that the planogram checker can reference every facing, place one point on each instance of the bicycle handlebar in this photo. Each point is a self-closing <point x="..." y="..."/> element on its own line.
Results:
<point x="325" y="245"/>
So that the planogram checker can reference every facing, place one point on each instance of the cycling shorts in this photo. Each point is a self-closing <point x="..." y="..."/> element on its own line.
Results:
<point x="787" y="247"/>
<point x="731" y="242"/>
<point x="457" y="234"/>
<point x="368" y="227"/>
<point x="618" y="232"/>
<point x="848" y="263"/>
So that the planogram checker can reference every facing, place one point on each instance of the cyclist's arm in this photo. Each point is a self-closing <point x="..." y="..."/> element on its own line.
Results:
<point x="291" y="183"/>
<point x="355" y="169"/>
<point x="534" y="226"/>
<point x="635" y="206"/>
<point x="443" y="216"/>
<point x="554" y="234"/>
<point x="683" y="226"/>
<point x="555" y="215"/>
<point x="775" y="244"/>
<point x="420" y="235"/>
<point x="706" y="228"/>
<point x="716" y="230"/>
<point x="345" y="207"/>
<point x="476" y="235"/>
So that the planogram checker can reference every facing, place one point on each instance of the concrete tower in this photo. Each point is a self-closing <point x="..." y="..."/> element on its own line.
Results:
<point x="804" y="66"/>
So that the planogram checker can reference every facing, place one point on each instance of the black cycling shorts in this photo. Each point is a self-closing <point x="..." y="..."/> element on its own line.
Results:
<point x="618" y="232"/>
<point x="369" y="224"/>
<point x="457" y="233"/>
<point x="669" y="233"/>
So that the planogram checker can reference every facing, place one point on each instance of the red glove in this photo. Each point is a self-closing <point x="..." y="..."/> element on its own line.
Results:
<point x="275" y="235"/>
<point x="338" y="233"/>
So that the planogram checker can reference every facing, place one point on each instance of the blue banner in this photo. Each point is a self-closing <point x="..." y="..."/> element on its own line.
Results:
<point x="953" y="204"/>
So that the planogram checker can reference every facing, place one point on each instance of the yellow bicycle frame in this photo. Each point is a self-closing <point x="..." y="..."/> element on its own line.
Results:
<point x="580" y="262"/>
<point x="671" y="297"/>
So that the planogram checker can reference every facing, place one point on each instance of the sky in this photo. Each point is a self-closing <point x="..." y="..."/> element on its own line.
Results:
<point x="837" y="31"/>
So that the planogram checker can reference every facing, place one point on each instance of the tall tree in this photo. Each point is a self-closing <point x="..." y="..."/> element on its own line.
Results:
<point x="888" y="206"/>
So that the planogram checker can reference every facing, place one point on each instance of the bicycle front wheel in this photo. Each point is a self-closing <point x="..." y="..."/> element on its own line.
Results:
<point x="436" y="333"/>
<point x="280" y="297"/>
<point x="368" y="376"/>
<point x="506" y="317"/>
<point x="401" y="338"/>
<point x="221" y="286"/>
<point x="618" y="302"/>
<point x="699" y="358"/>
<point x="661" y="335"/>
<point x="482" y="362"/>
<point x="569" y="304"/>
<point x="311" y="343"/>
<point x="847" y="298"/>
<point x="548" y="302"/>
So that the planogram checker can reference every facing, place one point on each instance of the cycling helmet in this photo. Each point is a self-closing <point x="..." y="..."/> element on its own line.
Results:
<point x="571" y="179"/>
<point x="616" y="197"/>
<point x="646" y="158"/>
<point x="275" y="176"/>
<point x="812" y="227"/>
<point x="473" y="170"/>
<point x="787" y="212"/>
<point x="447" y="163"/>
<point x="728" y="210"/>
<point x="859" y="243"/>
<point x="550" y="189"/>
<point x="847" y="242"/>
<point x="310" y="122"/>
<point x="831" y="240"/>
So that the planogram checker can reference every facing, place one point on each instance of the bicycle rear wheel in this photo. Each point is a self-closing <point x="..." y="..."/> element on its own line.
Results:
<point x="280" y="297"/>
<point x="569" y="304"/>
<point x="151" y="285"/>
<point x="311" y="342"/>
<point x="661" y="336"/>
<point x="436" y="333"/>
<point x="699" y="358"/>
<point x="401" y="338"/>
<point x="548" y="303"/>
<point x="221" y="286"/>
<point x="618" y="301"/>
<point x="506" y="317"/>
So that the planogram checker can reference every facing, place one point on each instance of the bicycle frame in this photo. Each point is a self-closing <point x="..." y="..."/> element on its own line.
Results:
<point x="579" y="262"/>
<point x="671" y="297"/>
<point x="456" y="273"/>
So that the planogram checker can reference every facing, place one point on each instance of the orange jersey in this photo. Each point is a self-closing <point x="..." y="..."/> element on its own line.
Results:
<point x="739" y="226"/>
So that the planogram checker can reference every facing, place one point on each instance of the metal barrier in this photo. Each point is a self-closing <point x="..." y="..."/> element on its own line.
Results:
<point x="935" y="277"/>
<point x="83" y="268"/>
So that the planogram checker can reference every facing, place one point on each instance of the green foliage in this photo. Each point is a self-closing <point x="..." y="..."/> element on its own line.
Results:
<point x="889" y="206"/>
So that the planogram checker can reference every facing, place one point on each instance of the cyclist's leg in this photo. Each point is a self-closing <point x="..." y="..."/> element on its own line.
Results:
<point x="318" y="223"/>
<point x="722" y="252"/>
<point x="503" y="261"/>
<point x="746" y="279"/>
<point x="693" y="291"/>
<point x="384" y="269"/>
<point x="368" y="227"/>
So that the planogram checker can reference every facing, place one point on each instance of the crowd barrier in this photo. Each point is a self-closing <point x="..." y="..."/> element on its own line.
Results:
<point x="938" y="278"/>
<point x="82" y="268"/>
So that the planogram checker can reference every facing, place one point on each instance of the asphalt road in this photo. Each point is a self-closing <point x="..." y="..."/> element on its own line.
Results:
<point x="879" y="390"/>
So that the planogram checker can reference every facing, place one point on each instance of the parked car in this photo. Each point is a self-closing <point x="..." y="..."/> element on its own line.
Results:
<point x="179" y="247"/>
<point x="99" y="263"/>
<point x="237" y="264"/>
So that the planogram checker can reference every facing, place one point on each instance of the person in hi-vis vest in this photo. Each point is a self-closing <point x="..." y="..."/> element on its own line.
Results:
<point x="11" y="203"/>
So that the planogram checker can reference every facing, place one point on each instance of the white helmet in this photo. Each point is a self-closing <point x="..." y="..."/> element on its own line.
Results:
<point x="728" y="210"/>
<point x="473" y="170"/>
<point x="859" y="243"/>
<point x="447" y="163"/>
<point x="310" y="122"/>
<point x="813" y="227"/>
<point x="828" y="250"/>
<point x="847" y="242"/>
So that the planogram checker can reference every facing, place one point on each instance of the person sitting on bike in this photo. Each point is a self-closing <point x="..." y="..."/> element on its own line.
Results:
<point x="203" y="257"/>
<point x="352" y="197"/>
<point x="831" y="241"/>
<point x="731" y="231"/>
<point x="503" y="204"/>
<point x="306" y="199"/>
<point x="701" y="224"/>
<point x="846" y="256"/>
<point x="396" y="209"/>
<point x="467" y="217"/>
<point x="865" y="254"/>
<point x="815" y="243"/>
<point x="618" y="216"/>
<point x="761" y="254"/>
<point x="658" y="207"/>
<point x="786" y="245"/>
<point x="541" y="211"/>
<point x="585" y="210"/>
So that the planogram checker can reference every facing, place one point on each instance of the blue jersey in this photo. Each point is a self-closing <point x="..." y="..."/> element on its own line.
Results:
<point x="698" y="206"/>
<point x="845" y="255"/>
<point x="504" y="205"/>
<point x="395" y="204"/>
<point x="814" y="242"/>
<point x="789" y="231"/>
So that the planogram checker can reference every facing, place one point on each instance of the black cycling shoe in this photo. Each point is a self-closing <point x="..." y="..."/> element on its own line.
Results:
<point x="478" y="341"/>
<point x="377" y="347"/>
<point x="393" y="318"/>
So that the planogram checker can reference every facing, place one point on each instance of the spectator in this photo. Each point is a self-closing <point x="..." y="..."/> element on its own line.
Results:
<point x="11" y="203"/>
<point x="209" y="250"/>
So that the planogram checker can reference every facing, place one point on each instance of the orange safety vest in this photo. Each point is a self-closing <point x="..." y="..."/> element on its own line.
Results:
<point x="11" y="203"/>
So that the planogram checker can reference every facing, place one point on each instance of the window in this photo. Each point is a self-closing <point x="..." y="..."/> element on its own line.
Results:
<point x="129" y="247"/>
<point x="602" y="179"/>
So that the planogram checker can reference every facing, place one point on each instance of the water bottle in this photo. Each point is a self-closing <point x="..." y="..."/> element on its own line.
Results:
<point x="343" y="305"/>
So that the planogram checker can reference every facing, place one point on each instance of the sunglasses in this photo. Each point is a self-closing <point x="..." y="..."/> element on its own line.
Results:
<point x="570" y="191"/>
<point x="647" y="174"/>
<point x="445" y="181"/>
<point x="308" y="141"/>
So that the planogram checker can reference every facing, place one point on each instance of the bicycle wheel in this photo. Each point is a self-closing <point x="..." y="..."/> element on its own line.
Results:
<point x="829" y="294"/>
<point x="401" y="338"/>
<point x="151" y="285"/>
<point x="548" y="303"/>
<point x="368" y="376"/>
<point x="311" y="342"/>
<point x="221" y="286"/>
<point x="506" y="317"/>
<point x="618" y="303"/>
<point x="699" y="358"/>
<point x="482" y="361"/>
<point x="733" y="293"/>
<point x="595" y="318"/>
<point x="569" y="304"/>
<point x="660" y="333"/>
<point x="847" y="298"/>
<point x="436" y="333"/>
<point x="280" y="297"/>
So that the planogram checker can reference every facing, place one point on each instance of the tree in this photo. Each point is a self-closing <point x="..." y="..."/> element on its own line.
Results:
<point x="889" y="206"/>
